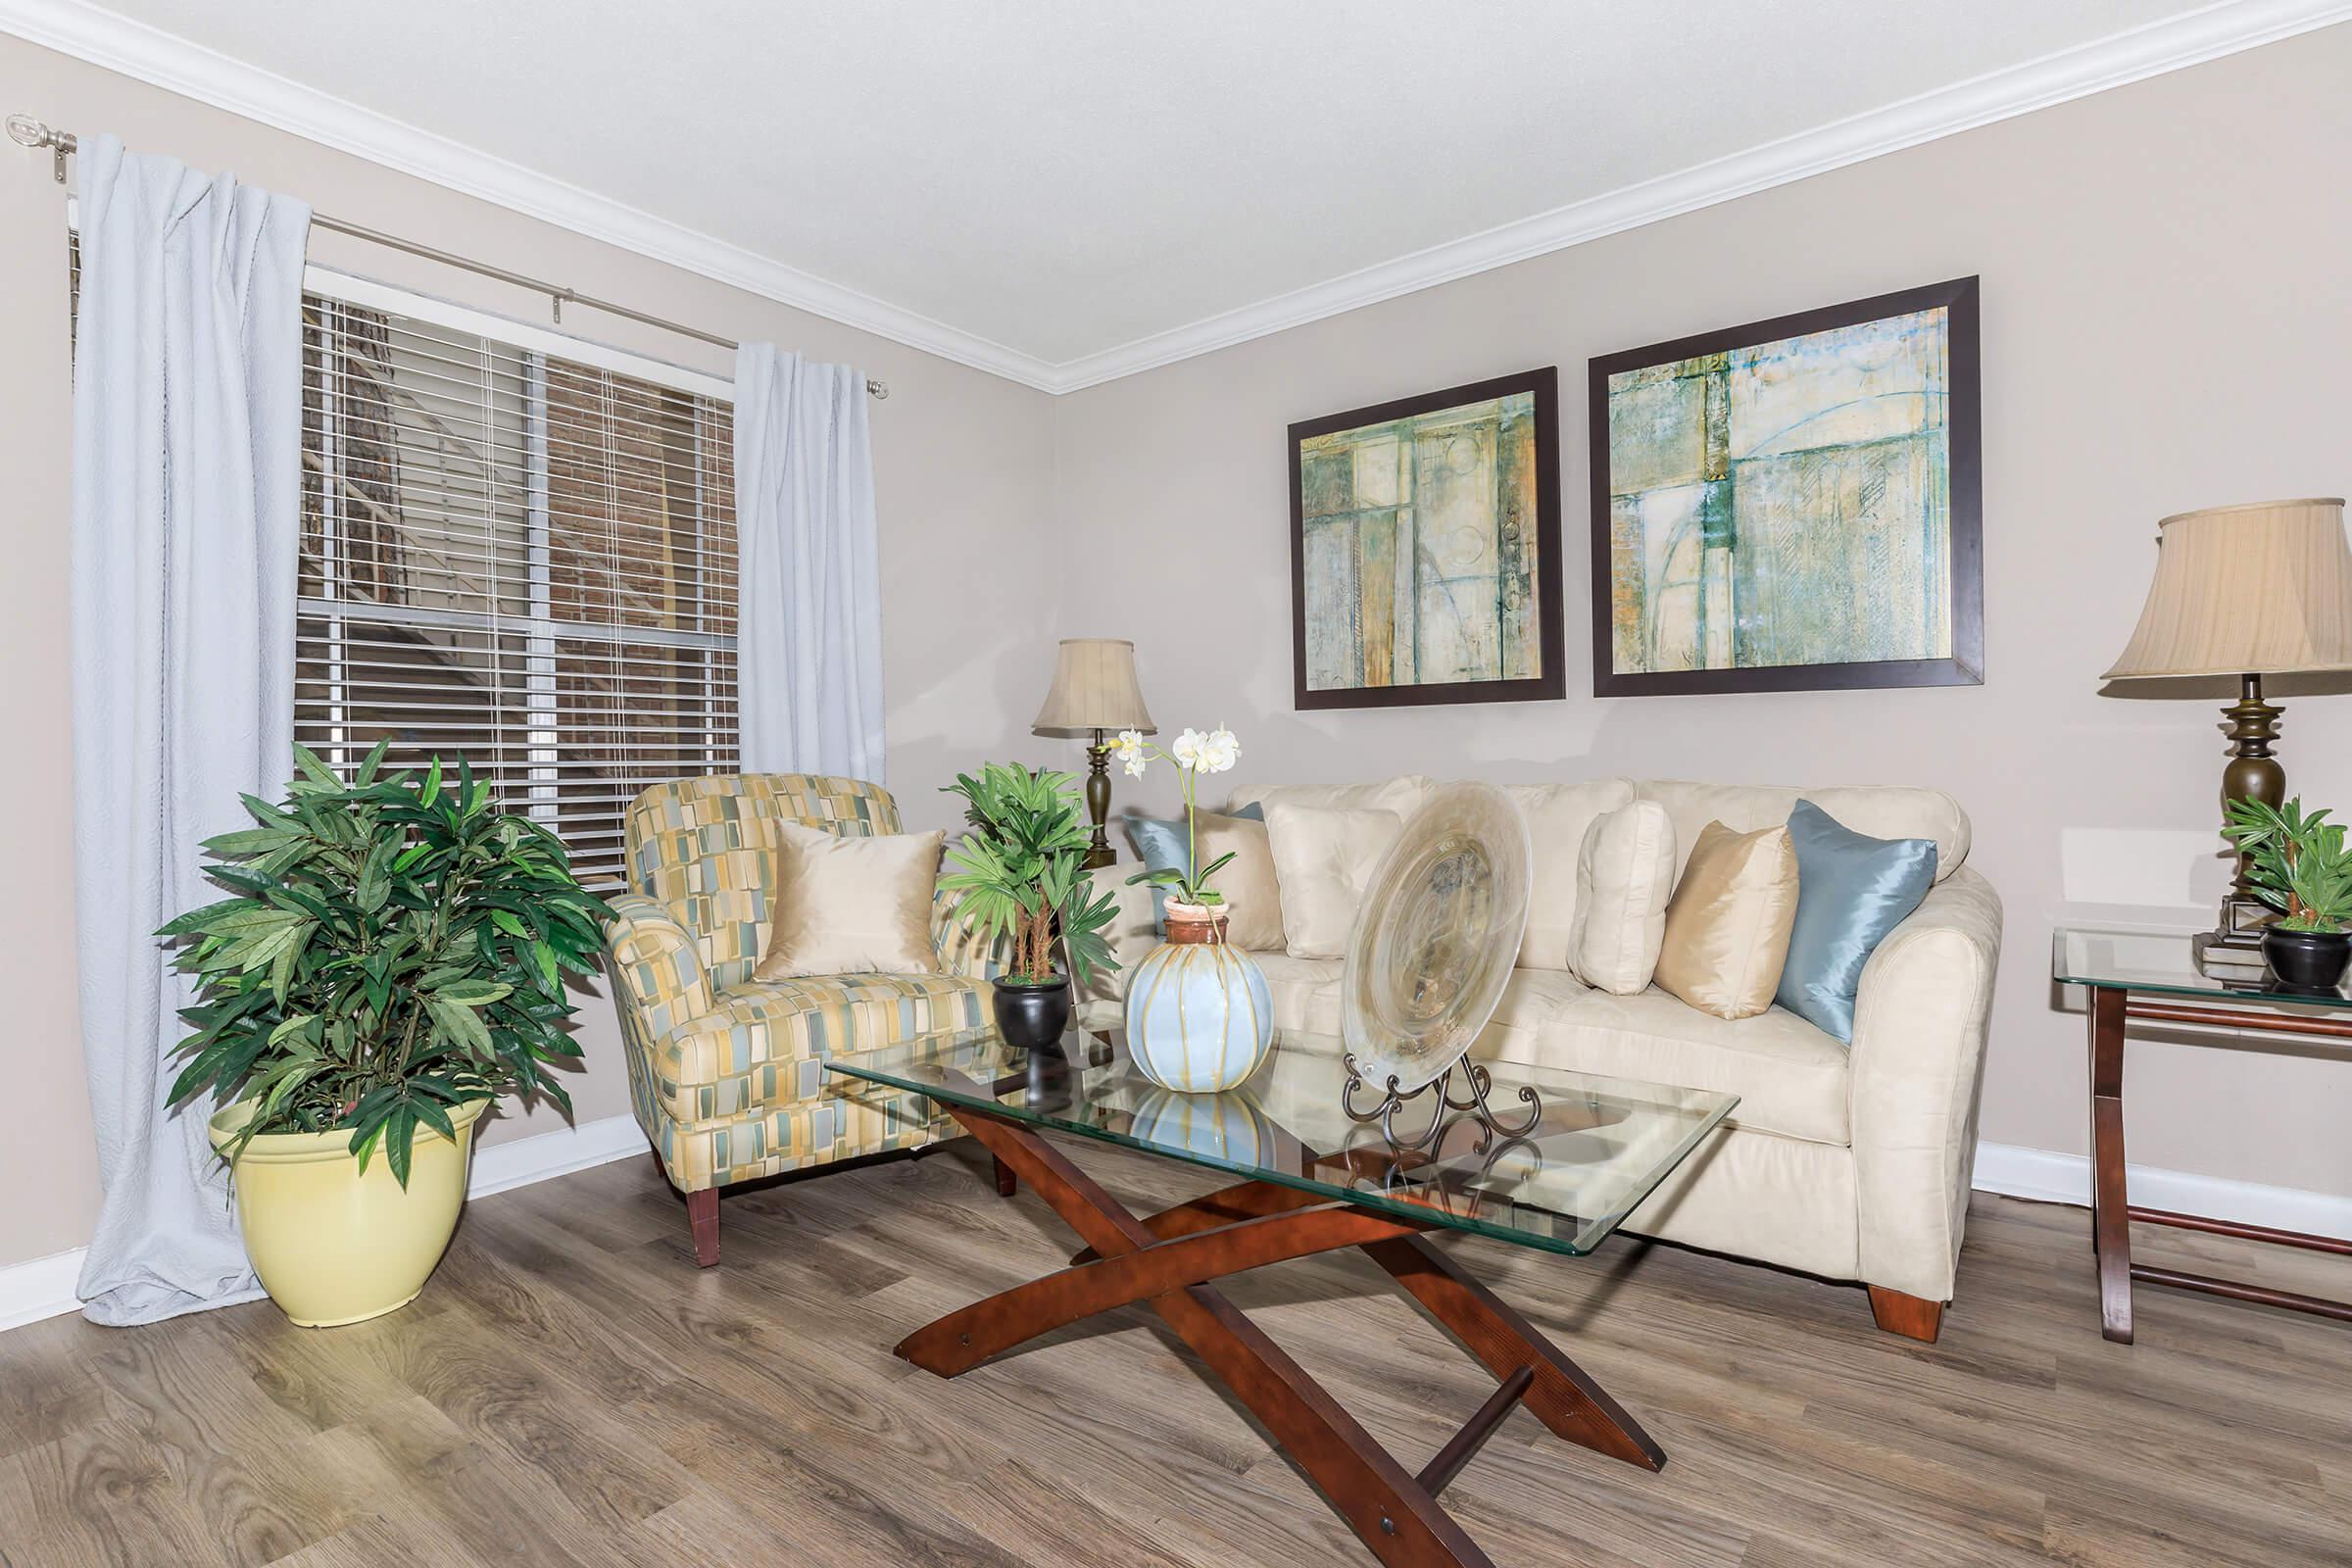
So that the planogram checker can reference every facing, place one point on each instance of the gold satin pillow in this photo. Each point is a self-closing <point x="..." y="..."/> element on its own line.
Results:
<point x="1728" y="924"/>
<point x="851" y="904"/>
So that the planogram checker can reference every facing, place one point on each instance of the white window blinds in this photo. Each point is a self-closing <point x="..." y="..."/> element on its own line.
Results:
<point x="516" y="558"/>
<point x="512" y="555"/>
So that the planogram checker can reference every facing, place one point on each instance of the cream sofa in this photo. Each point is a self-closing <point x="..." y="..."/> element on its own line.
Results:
<point x="1849" y="1163"/>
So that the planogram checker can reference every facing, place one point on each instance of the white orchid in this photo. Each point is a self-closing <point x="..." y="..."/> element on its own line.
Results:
<point x="1193" y="755"/>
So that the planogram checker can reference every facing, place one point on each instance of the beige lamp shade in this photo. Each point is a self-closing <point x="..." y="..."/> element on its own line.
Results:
<point x="2263" y="589"/>
<point x="1093" y="688"/>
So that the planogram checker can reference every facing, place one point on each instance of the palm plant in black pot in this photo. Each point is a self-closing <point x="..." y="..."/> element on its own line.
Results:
<point x="1024" y="878"/>
<point x="2299" y="866"/>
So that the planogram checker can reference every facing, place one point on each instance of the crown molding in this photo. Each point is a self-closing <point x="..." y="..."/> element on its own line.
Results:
<point x="2117" y="61"/>
<point x="147" y="54"/>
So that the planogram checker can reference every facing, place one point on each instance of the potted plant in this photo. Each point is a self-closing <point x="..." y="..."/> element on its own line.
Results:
<point x="1024" y="878"/>
<point x="392" y="963"/>
<point x="2299" y="866"/>
<point x="1200" y="1015"/>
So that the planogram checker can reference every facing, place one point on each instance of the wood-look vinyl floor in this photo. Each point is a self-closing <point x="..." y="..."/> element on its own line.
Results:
<point x="570" y="1390"/>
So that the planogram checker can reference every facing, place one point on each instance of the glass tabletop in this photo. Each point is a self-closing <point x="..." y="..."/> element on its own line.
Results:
<point x="1598" y="1149"/>
<point x="2166" y="961"/>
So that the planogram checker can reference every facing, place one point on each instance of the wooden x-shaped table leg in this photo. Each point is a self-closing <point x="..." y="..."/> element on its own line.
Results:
<point x="1166" y="1262"/>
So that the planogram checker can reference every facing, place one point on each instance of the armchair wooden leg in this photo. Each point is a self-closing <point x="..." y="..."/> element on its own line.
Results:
<point x="702" y="1214"/>
<point x="1907" y="1315"/>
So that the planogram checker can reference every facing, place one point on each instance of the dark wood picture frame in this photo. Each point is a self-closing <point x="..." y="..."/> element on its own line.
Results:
<point x="1965" y="437"/>
<point x="1551" y="680"/>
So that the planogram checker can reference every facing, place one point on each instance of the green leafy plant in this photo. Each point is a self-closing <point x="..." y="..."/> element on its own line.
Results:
<point x="1024" y="871"/>
<point x="2297" y="863"/>
<point x="396" y="947"/>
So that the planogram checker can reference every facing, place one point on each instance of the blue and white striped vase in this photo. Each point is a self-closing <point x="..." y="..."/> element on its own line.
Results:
<point x="1200" y="1016"/>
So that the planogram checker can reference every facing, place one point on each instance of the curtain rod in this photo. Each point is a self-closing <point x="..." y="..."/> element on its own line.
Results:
<point x="26" y="132"/>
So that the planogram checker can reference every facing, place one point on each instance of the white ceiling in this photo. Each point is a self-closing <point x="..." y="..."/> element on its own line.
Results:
<point x="1069" y="189"/>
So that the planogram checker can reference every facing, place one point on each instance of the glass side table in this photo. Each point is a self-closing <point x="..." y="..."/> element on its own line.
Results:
<point x="2154" y="978"/>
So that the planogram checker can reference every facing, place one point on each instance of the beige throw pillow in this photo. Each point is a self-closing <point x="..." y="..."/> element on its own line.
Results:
<point x="1624" y="876"/>
<point x="1324" y="857"/>
<point x="852" y="905"/>
<point x="1252" y="892"/>
<point x="1726" y="929"/>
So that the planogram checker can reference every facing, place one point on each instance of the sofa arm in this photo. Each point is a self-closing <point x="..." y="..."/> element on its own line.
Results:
<point x="656" y="965"/>
<point x="1918" y="1066"/>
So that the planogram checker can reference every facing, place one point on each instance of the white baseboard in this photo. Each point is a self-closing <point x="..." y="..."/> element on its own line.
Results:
<point x="42" y="1288"/>
<point x="2054" y="1178"/>
<point x="44" y="1285"/>
<point x="558" y="1154"/>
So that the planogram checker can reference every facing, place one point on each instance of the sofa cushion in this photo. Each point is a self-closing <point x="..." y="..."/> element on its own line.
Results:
<point x="766" y="1043"/>
<point x="1558" y="817"/>
<point x="1307" y="991"/>
<point x="1324" y="857"/>
<point x="1792" y="1079"/>
<point x="1402" y="794"/>
<point x="1726" y="929"/>
<point x="1252" y="898"/>
<point x="1624" y="876"/>
<point x="852" y="905"/>
<point x="1881" y="810"/>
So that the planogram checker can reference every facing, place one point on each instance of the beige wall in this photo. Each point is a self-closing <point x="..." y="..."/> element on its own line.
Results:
<point x="960" y="461"/>
<point x="2165" y="325"/>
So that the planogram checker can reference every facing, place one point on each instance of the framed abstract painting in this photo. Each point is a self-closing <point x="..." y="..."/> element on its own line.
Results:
<point x="1795" y="504"/>
<point x="1425" y="549"/>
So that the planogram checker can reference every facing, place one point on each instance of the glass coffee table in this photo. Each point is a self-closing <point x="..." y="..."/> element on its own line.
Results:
<point x="1556" y="1162"/>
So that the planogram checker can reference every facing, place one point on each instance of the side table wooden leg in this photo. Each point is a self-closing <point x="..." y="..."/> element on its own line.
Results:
<point x="2110" y="1205"/>
<point x="1007" y="1183"/>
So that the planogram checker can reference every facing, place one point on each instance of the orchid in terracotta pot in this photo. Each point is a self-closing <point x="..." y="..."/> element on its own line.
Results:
<point x="1200" y="1016"/>
<point x="1193" y="754"/>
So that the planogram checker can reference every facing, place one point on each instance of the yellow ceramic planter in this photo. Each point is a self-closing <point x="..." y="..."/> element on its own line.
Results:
<point x="333" y="1246"/>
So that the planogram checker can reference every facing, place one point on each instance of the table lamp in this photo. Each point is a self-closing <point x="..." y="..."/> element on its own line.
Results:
<point x="2254" y="590"/>
<point x="1095" y="693"/>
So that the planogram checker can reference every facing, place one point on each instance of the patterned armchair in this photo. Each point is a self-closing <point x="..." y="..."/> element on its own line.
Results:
<point x="726" y="1074"/>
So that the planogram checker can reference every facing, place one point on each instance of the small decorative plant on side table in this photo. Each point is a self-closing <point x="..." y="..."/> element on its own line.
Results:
<point x="1024" y="878"/>
<point x="391" y="965"/>
<point x="2300" y="867"/>
<point x="1200" y="1015"/>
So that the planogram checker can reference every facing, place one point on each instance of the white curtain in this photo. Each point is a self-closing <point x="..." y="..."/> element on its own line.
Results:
<point x="809" y="623"/>
<point x="187" y="491"/>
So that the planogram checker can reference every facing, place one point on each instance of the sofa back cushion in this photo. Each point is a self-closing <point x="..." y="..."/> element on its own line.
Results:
<point x="1402" y="794"/>
<point x="1559" y="815"/>
<point x="1324" y="857"/>
<point x="1881" y="811"/>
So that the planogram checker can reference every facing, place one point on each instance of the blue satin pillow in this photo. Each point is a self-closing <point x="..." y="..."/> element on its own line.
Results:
<point x="1852" y="890"/>
<point x="1159" y="845"/>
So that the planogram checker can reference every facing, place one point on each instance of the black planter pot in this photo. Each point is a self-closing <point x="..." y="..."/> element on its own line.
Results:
<point x="2307" y="960"/>
<point x="1033" y="1016"/>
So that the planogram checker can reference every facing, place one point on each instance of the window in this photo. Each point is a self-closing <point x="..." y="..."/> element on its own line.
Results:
<point x="516" y="557"/>
<point x="517" y="548"/>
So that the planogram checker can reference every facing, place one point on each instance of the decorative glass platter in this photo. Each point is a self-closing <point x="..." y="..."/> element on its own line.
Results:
<point x="1598" y="1147"/>
<point x="1436" y="937"/>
